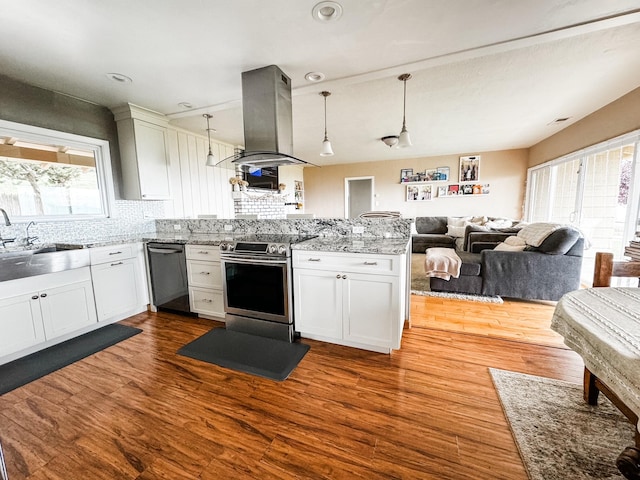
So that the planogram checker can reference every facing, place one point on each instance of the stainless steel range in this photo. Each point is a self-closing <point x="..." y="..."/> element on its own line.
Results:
<point x="257" y="284"/>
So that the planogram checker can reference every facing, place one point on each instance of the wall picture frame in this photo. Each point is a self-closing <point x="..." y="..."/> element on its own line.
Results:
<point x="469" y="169"/>
<point x="406" y="175"/>
<point x="419" y="193"/>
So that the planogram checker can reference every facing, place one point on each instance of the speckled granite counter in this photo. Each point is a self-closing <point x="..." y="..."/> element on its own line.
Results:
<point x="384" y="246"/>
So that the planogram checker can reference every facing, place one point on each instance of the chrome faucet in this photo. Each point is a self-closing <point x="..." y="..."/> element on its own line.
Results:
<point x="6" y="217"/>
<point x="4" y="241"/>
<point x="29" y="239"/>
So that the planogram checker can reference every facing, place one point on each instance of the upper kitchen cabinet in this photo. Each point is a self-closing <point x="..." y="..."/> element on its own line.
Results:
<point x="144" y="152"/>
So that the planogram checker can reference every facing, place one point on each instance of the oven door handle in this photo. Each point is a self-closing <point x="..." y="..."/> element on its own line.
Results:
<point x="252" y="260"/>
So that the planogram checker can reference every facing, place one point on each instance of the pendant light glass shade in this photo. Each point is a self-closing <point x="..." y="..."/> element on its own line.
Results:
<point x="327" y="151"/>
<point x="210" y="158"/>
<point x="404" y="140"/>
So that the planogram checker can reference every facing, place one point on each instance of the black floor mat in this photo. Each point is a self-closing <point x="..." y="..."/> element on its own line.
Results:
<point x="27" y="369"/>
<point x="262" y="356"/>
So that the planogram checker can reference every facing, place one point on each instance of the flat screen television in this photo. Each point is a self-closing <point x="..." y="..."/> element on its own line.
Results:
<point x="265" y="177"/>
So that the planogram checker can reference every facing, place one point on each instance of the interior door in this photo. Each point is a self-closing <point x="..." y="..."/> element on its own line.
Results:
<point x="358" y="196"/>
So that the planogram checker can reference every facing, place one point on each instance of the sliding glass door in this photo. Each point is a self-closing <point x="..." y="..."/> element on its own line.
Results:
<point x="594" y="190"/>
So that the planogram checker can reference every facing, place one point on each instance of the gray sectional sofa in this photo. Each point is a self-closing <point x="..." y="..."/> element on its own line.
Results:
<point x="545" y="272"/>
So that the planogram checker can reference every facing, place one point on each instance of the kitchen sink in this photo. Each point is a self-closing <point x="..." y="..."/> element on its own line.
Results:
<point x="39" y="261"/>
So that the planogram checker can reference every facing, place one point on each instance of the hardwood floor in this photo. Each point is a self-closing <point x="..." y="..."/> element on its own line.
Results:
<point x="139" y="411"/>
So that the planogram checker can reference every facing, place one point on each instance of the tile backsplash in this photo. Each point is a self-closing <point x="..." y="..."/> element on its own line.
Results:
<point x="129" y="217"/>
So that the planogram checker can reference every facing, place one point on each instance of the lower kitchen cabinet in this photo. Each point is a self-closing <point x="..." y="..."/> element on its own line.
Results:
<point x="35" y="310"/>
<point x="204" y="277"/>
<point x="350" y="299"/>
<point x="118" y="281"/>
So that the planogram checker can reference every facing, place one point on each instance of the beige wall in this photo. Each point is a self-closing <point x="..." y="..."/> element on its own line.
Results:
<point x="505" y="171"/>
<point x="620" y="116"/>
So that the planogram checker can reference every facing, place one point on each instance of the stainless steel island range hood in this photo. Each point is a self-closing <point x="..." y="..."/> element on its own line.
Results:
<point x="267" y="118"/>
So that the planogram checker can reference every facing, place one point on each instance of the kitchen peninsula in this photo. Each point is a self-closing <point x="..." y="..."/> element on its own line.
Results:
<point x="349" y="288"/>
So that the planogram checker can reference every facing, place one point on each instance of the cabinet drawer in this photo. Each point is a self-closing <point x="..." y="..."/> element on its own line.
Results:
<point x="111" y="254"/>
<point x="203" y="252"/>
<point x="204" y="274"/>
<point x="206" y="301"/>
<point x="347" y="262"/>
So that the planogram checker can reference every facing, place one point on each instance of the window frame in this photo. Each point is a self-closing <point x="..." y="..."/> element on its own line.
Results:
<point x="101" y="154"/>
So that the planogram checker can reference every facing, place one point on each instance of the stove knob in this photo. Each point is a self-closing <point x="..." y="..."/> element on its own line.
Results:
<point x="282" y="249"/>
<point x="223" y="246"/>
<point x="273" y="249"/>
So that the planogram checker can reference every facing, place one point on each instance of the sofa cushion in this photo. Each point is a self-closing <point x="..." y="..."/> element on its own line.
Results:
<point x="560" y="241"/>
<point x="470" y="263"/>
<point x="431" y="225"/>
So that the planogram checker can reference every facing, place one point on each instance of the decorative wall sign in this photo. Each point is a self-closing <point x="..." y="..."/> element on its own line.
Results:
<point x="419" y="193"/>
<point x="469" y="169"/>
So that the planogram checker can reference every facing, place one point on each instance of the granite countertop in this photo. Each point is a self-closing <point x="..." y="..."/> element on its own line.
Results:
<point x="386" y="246"/>
<point x="383" y="246"/>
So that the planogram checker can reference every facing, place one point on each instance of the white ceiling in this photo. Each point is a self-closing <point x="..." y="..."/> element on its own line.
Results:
<point x="487" y="74"/>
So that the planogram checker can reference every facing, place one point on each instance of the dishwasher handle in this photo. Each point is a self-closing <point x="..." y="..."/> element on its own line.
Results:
<point x="163" y="250"/>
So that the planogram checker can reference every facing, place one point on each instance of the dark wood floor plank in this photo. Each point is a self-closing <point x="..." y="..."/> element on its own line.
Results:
<point x="138" y="410"/>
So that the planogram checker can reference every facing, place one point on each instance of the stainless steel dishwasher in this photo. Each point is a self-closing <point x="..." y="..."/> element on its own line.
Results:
<point x="168" y="273"/>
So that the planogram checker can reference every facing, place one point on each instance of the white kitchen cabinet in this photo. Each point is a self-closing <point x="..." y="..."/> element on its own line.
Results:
<point x="350" y="299"/>
<point x="67" y="308"/>
<point x="204" y="277"/>
<point x="20" y="323"/>
<point x="119" y="282"/>
<point x="35" y="311"/>
<point x="144" y="153"/>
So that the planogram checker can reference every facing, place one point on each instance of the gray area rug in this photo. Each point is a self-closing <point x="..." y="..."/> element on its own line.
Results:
<point x="420" y="284"/>
<point x="558" y="434"/>
<point x="261" y="356"/>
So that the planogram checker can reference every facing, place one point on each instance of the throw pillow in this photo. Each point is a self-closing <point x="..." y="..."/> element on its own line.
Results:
<point x="455" y="231"/>
<point x="535" y="233"/>
<point x="457" y="221"/>
<point x="560" y="241"/>
<point x="515" y="241"/>
<point x="509" y="248"/>
<point x="499" y="223"/>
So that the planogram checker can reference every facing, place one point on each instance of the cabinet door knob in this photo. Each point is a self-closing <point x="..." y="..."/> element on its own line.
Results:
<point x="43" y="295"/>
<point x="35" y="297"/>
<point x="344" y="277"/>
<point x="338" y="276"/>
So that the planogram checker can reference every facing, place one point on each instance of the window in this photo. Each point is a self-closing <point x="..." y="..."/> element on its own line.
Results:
<point x="593" y="189"/>
<point x="51" y="175"/>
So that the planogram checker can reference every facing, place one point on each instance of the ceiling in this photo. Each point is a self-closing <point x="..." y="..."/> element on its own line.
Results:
<point x="486" y="74"/>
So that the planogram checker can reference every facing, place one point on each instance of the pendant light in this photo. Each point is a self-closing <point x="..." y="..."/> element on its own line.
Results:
<point x="403" y="139"/>
<point x="327" y="151"/>
<point x="210" y="158"/>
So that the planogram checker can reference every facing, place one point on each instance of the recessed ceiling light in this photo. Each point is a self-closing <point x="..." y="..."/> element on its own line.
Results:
<point x="186" y="105"/>
<point x="327" y="11"/>
<point x="314" y="76"/>
<point x="118" y="77"/>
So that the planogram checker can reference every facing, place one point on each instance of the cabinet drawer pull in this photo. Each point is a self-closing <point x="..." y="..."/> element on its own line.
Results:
<point x="370" y="263"/>
<point x="43" y="295"/>
<point x="203" y="252"/>
<point x="205" y="273"/>
<point x="314" y="260"/>
<point x="35" y="297"/>
<point x="116" y="264"/>
<point x="115" y="253"/>
<point x="207" y="300"/>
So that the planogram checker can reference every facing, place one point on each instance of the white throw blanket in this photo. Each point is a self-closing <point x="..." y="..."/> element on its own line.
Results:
<point x="442" y="263"/>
